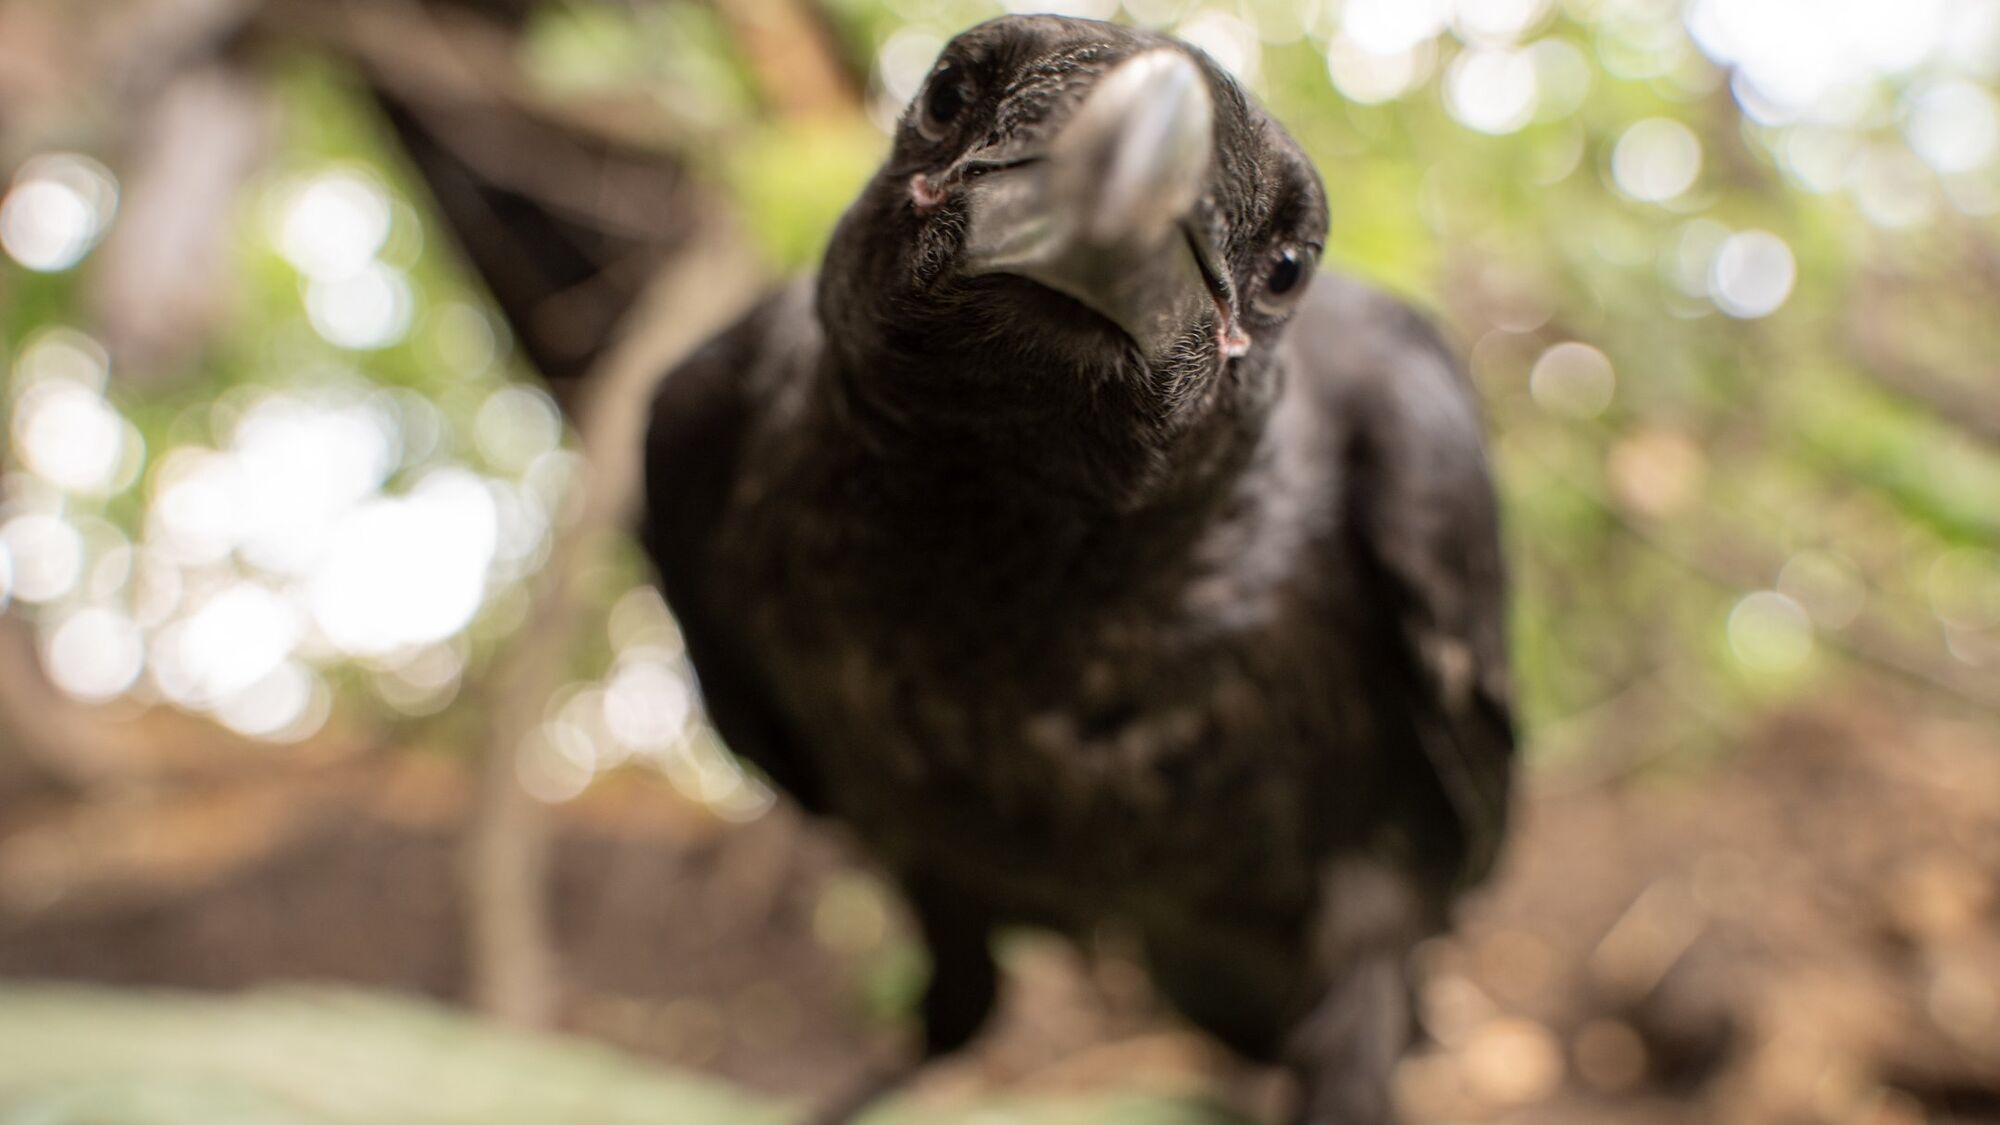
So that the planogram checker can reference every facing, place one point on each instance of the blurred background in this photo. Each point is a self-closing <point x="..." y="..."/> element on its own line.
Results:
<point x="326" y="328"/>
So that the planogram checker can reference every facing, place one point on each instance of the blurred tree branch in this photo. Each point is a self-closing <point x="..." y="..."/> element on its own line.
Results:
<point x="564" y="212"/>
<point x="1958" y="403"/>
<point x="607" y="263"/>
<point x="798" y="66"/>
<point x="160" y="285"/>
<point x="45" y="741"/>
<point x="506" y="859"/>
<point x="1726" y="559"/>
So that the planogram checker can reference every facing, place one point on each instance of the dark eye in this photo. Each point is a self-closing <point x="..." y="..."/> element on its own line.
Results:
<point x="1287" y="279"/>
<point x="949" y="92"/>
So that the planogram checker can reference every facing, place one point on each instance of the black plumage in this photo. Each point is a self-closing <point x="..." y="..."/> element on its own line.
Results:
<point x="1091" y="559"/>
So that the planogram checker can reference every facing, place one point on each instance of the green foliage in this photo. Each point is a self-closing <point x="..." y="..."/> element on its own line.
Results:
<point x="75" y="1056"/>
<point x="795" y="178"/>
<point x="1722" y="444"/>
<point x="681" y="54"/>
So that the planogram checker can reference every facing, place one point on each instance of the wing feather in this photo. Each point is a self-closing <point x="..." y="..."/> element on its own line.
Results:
<point x="704" y="415"/>
<point x="1423" y="521"/>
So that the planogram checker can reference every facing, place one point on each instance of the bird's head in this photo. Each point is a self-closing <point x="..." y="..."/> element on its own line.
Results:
<point x="1076" y="211"/>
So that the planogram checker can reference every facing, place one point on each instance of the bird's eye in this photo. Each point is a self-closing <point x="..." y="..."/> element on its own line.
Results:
<point x="1287" y="279"/>
<point x="949" y="92"/>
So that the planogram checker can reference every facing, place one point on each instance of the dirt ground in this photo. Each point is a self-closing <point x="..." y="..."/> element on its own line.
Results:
<point x="1806" y="931"/>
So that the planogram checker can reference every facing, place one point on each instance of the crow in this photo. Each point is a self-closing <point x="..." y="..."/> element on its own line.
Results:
<point x="1094" y="560"/>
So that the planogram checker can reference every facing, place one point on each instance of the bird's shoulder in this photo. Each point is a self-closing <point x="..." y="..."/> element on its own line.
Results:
<point x="1391" y="402"/>
<point x="709" y="416"/>
<point x="708" y="410"/>
<point x="1398" y="428"/>
<point x="1380" y="363"/>
<point x="1421" y="520"/>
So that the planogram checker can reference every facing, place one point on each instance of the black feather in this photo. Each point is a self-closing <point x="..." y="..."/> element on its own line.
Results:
<point x="1209" y="645"/>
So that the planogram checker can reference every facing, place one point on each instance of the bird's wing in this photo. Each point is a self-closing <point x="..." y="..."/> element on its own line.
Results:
<point x="704" y="415"/>
<point x="1419" y="507"/>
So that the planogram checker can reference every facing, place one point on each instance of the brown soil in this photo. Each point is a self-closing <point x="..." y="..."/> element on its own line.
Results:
<point x="1806" y="932"/>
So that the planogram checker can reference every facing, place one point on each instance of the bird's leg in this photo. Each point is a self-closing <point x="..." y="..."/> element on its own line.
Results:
<point x="964" y="980"/>
<point x="957" y="1003"/>
<point x="1344" y="1051"/>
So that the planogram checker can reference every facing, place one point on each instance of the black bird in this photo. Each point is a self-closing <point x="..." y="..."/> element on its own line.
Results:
<point x="1091" y="559"/>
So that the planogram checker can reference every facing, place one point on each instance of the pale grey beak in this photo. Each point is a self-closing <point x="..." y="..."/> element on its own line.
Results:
<point x="1102" y="214"/>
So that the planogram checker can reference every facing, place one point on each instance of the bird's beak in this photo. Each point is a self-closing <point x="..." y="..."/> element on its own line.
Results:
<point x="1104" y="212"/>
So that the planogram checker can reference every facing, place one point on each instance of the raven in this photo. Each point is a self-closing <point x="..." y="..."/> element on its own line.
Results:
<point x="1091" y="559"/>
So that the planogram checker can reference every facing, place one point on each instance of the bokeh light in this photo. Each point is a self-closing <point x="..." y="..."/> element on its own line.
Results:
<point x="1574" y="380"/>
<point x="57" y="208"/>
<point x="1502" y="21"/>
<point x="1655" y="471"/>
<point x="1770" y="634"/>
<point x="1812" y="59"/>
<point x="1656" y="160"/>
<point x="1563" y="80"/>
<point x="297" y="466"/>
<point x="286" y="704"/>
<point x="94" y="654"/>
<point x="703" y="769"/>
<point x="1386" y="27"/>
<point x="1492" y="89"/>
<point x="1827" y="585"/>
<point x="1227" y="38"/>
<point x="1688" y="258"/>
<point x="553" y="765"/>
<point x="1955" y="126"/>
<point x="233" y="639"/>
<point x="1752" y="275"/>
<point x="1372" y="77"/>
<point x="330" y="227"/>
<point x="1964" y="588"/>
<point x="1892" y="188"/>
<point x="194" y="514"/>
<point x="71" y="436"/>
<point x="465" y="340"/>
<point x="64" y="355"/>
<point x="339" y="229"/>
<point x="516" y="426"/>
<point x="423" y="680"/>
<point x="327" y="522"/>
<point x="1083" y="9"/>
<point x="47" y="556"/>
<point x="407" y="570"/>
<point x="646" y="704"/>
<point x="367" y="310"/>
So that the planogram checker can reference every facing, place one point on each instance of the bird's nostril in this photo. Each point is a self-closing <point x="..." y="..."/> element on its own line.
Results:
<point x="924" y="195"/>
